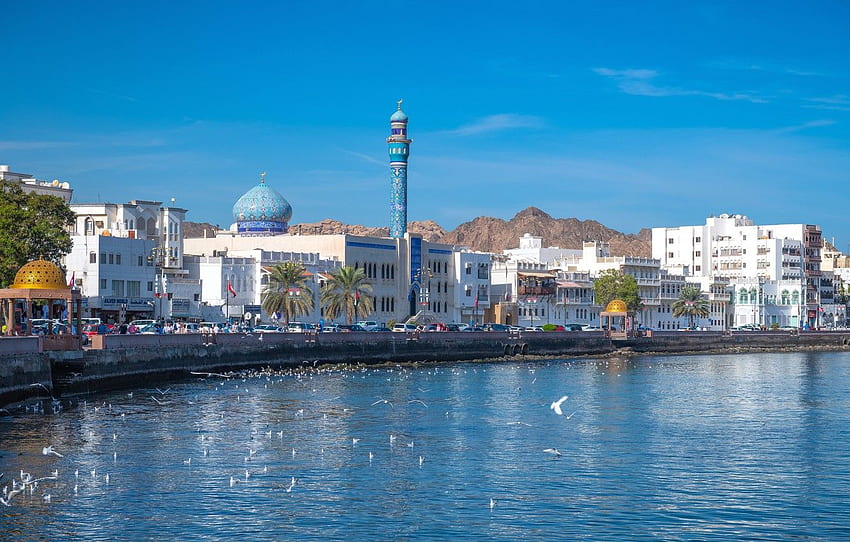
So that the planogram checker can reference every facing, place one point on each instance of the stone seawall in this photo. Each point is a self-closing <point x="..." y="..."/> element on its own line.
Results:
<point x="117" y="361"/>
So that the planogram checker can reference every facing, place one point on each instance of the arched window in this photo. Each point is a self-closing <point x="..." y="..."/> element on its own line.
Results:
<point x="742" y="296"/>
<point x="795" y="297"/>
<point x="753" y="298"/>
<point x="785" y="297"/>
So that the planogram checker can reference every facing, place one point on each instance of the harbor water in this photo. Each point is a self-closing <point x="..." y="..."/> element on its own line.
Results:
<point x="731" y="447"/>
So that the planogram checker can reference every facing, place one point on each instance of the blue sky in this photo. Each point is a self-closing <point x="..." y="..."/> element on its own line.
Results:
<point x="630" y="113"/>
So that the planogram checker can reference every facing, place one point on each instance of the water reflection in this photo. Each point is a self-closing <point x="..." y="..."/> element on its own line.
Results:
<point x="657" y="447"/>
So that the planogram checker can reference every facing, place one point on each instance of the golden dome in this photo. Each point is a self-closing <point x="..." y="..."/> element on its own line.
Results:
<point x="616" y="305"/>
<point x="40" y="274"/>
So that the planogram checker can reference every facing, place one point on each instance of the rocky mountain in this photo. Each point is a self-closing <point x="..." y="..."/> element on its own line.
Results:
<point x="494" y="234"/>
<point x="487" y="234"/>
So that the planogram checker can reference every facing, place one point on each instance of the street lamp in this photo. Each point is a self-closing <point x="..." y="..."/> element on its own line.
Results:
<point x="532" y="302"/>
<point x="157" y="256"/>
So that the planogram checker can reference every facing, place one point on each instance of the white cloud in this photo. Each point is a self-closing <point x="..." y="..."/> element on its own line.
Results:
<point x="639" y="82"/>
<point x="498" y="123"/>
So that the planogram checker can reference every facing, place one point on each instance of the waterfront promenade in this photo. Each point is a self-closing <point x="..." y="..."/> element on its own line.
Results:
<point x="118" y="361"/>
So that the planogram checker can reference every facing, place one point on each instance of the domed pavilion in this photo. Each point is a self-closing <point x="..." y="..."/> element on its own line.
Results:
<point x="615" y="315"/>
<point x="262" y="211"/>
<point x="45" y="282"/>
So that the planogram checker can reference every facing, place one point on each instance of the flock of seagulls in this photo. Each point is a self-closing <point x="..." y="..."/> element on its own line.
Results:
<point x="242" y="387"/>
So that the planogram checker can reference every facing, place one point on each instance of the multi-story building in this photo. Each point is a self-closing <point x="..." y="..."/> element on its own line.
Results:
<point x="60" y="189"/>
<point x="125" y="255"/>
<point x="472" y="285"/>
<point x="774" y="258"/>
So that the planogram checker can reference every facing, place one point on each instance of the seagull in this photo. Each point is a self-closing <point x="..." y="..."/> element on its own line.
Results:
<point x="291" y="485"/>
<point x="553" y="451"/>
<point x="492" y="503"/>
<point x="48" y="450"/>
<point x="556" y="406"/>
<point x="158" y="401"/>
<point x="571" y="415"/>
<point x="382" y="401"/>
<point x="163" y="392"/>
<point x="421" y="402"/>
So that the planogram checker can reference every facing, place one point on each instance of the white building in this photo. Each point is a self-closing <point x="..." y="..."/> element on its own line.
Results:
<point x="772" y="258"/>
<point x="114" y="275"/>
<point x="408" y="275"/>
<point x="126" y="255"/>
<point x="472" y="285"/>
<point x="29" y="183"/>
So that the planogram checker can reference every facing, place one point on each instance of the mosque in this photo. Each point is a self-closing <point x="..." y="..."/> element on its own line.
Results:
<point x="409" y="274"/>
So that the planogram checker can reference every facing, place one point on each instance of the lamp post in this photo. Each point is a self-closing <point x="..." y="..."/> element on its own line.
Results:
<point x="532" y="302"/>
<point x="157" y="256"/>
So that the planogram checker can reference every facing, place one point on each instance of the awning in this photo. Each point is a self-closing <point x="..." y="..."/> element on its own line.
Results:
<point x="569" y="284"/>
<point x="536" y="275"/>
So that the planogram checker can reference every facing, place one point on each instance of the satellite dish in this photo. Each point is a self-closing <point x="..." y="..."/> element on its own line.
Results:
<point x="247" y="316"/>
<point x="65" y="185"/>
<point x="55" y="182"/>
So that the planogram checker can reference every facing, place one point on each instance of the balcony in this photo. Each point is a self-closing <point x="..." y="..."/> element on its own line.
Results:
<point x="537" y="290"/>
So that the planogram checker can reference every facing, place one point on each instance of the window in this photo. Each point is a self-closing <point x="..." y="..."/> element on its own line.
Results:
<point x="468" y="269"/>
<point x="103" y="257"/>
<point x="92" y="257"/>
<point x="669" y="254"/>
<point x="697" y="268"/>
<point x="134" y="288"/>
<point x="141" y="261"/>
<point x="697" y="240"/>
<point x="111" y="258"/>
<point x="117" y="259"/>
<point x="103" y="284"/>
<point x="150" y="286"/>
<point x="670" y="241"/>
<point x="117" y="287"/>
<point x="697" y="254"/>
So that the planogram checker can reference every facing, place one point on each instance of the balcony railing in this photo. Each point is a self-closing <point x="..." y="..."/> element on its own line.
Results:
<point x="537" y="290"/>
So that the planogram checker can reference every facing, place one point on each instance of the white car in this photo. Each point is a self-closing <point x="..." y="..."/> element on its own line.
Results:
<point x="268" y="328"/>
<point x="404" y="328"/>
<point x="368" y="325"/>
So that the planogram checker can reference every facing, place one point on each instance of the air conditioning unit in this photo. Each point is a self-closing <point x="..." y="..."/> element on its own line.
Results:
<point x="78" y="282"/>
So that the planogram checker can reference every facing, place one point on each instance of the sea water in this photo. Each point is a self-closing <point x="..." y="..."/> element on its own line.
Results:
<point x="732" y="447"/>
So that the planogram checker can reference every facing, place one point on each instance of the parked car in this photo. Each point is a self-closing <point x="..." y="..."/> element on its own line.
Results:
<point x="404" y="328"/>
<point x="142" y="323"/>
<point x="496" y="327"/>
<point x="330" y="328"/>
<point x="268" y="328"/>
<point x="367" y="325"/>
<point x="299" y="327"/>
<point x="533" y="328"/>
<point x="380" y="328"/>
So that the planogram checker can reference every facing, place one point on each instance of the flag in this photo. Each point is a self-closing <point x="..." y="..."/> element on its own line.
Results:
<point x="71" y="282"/>
<point x="230" y="289"/>
<point x="475" y="304"/>
<point x="356" y="298"/>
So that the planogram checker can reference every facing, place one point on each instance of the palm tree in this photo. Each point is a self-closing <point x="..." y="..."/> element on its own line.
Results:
<point x="691" y="303"/>
<point x="345" y="292"/>
<point x="288" y="291"/>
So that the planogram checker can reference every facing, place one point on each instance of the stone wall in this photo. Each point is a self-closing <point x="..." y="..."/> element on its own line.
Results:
<point x="148" y="360"/>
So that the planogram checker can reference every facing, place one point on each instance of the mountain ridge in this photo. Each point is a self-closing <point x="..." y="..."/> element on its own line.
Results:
<point x="486" y="234"/>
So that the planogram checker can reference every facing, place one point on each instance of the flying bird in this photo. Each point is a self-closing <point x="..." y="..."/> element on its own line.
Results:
<point x="553" y="451"/>
<point x="556" y="406"/>
<point x="48" y="450"/>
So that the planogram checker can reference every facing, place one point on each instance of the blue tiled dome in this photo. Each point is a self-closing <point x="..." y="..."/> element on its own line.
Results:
<point x="399" y="116"/>
<point x="262" y="211"/>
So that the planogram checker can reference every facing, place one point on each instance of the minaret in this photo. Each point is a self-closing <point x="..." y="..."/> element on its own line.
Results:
<point x="399" y="148"/>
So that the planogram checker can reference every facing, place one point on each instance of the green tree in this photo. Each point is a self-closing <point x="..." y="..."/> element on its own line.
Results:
<point x="347" y="292"/>
<point x="613" y="284"/>
<point x="691" y="303"/>
<point x="288" y="291"/>
<point x="32" y="226"/>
